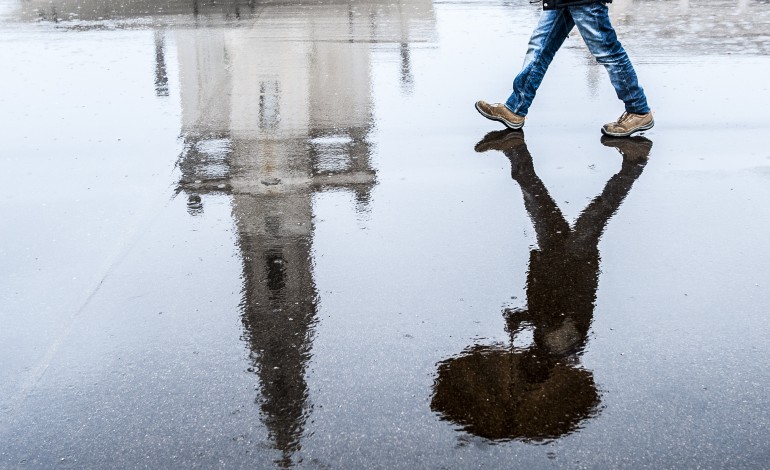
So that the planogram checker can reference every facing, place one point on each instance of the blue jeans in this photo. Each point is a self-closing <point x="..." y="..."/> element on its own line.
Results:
<point x="593" y="23"/>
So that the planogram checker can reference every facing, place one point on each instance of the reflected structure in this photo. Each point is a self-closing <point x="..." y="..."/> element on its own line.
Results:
<point x="540" y="391"/>
<point x="272" y="115"/>
<point x="276" y="107"/>
<point x="732" y="26"/>
<point x="667" y="28"/>
<point x="133" y="10"/>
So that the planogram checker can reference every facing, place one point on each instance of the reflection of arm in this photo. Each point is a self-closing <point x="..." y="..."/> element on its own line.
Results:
<point x="546" y="216"/>
<point x="594" y="218"/>
<point x="516" y="319"/>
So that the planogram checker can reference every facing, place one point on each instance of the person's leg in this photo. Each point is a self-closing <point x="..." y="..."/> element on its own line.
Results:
<point x="593" y="22"/>
<point x="547" y="38"/>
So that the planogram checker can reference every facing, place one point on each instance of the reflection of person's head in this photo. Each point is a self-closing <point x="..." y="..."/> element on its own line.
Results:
<point x="540" y="392"/>
<point x="501" y="394"/>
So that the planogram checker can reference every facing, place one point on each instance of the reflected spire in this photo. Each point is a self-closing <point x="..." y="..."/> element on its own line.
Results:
<point x="279" y="310"/>
<point x="406" y="77"/>
<point x="161" y="76"/>
<point x="540" y="391"/>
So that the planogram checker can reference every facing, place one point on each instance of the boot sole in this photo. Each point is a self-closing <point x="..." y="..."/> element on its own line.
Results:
<point x="508" y="124"/>
<point x="629" y="133"/>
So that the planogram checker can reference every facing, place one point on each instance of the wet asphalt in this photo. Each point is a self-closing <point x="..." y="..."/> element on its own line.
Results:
<point x="269" y="235"/>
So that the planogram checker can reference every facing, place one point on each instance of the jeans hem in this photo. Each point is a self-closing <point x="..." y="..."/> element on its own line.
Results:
<point x="514" y="111"/>
<point x="636" y="111"/>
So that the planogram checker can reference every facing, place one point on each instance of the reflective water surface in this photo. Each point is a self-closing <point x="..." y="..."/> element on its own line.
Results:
<point x="271" y="234"/>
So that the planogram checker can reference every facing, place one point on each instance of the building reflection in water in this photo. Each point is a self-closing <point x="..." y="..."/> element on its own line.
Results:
<point x="276" y="107"/>
<point x="272" y="122"/>
<point x="540" y="391"/>
<point x="104" y="12"/>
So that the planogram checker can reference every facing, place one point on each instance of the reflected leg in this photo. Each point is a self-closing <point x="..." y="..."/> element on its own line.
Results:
<point x="547" y="219"/>
<point x="546" y="216"/>
<point x="592" y="221"/>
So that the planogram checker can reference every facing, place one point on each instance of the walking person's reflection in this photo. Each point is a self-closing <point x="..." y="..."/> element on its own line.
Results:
<point x="540" y="391"/>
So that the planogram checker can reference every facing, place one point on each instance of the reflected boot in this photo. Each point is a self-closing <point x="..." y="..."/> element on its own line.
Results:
<point x="627" y="124"/>
<point x="512" y="144"/>
<point x="498" y="112"/>
<point x="633" y="149"/>
<point x="500" y="140"/>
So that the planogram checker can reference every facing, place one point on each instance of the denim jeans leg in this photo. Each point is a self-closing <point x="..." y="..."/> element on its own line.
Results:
<point x="548" y="36"/>
<point x="593" y="23"/>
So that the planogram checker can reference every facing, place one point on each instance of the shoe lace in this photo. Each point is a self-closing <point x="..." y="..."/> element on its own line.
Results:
<point x="623" y="117"/>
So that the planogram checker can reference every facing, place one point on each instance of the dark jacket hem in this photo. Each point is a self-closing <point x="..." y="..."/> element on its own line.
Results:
<point x="560" y="4"/>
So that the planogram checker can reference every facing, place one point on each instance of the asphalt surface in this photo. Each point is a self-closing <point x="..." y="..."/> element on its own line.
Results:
<point x="259" y="235"/>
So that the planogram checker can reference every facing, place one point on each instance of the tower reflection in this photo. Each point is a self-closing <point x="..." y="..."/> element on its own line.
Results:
<point x="272" y="115"/>
<point x="540" y="391"/>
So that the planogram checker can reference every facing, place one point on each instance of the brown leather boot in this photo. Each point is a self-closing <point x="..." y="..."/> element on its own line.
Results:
<point x="498" y="112"/>
<point x="627" y="124"/>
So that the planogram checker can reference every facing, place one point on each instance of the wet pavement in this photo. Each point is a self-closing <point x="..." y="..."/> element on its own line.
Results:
<point x="263" y="234"/>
